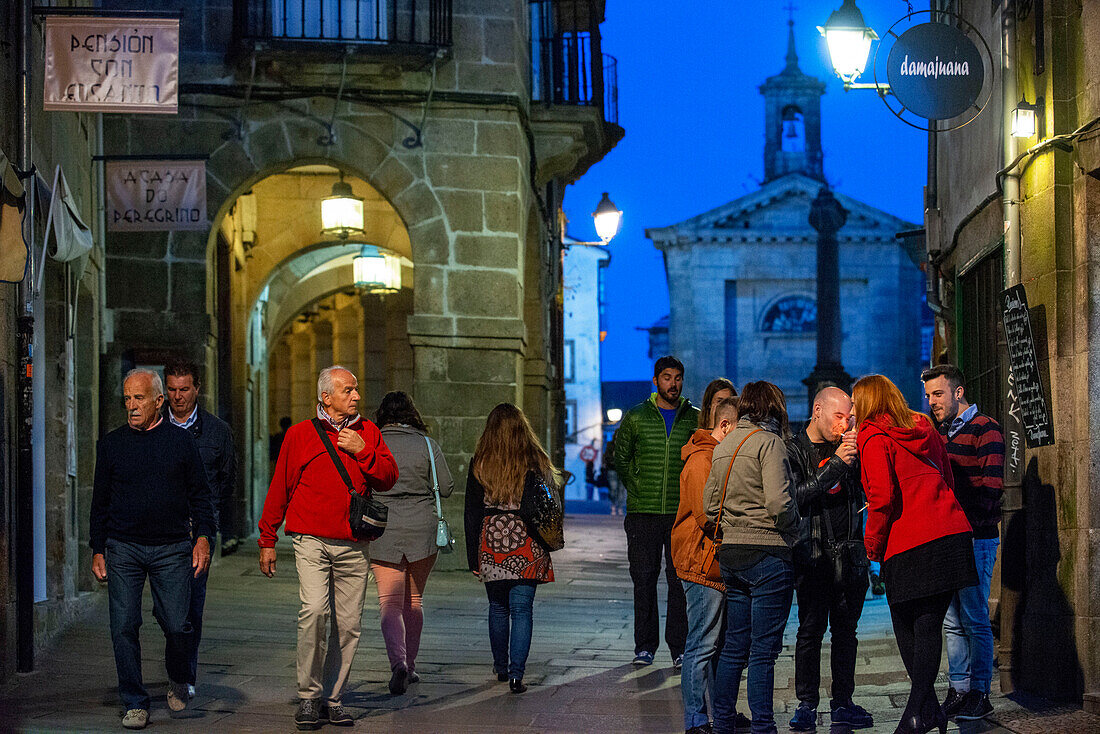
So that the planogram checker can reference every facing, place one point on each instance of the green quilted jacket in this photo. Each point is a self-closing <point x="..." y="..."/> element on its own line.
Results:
<point x="647" y="458"/>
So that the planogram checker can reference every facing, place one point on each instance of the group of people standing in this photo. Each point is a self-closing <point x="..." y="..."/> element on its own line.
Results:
<point x="749" y="515"/>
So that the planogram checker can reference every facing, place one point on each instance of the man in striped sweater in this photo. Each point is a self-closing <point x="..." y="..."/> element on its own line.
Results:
<point x="976" y="448"/>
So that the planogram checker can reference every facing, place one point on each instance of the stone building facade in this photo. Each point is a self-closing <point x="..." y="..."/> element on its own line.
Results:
<point x="458" y="122"/>
<point x="982" y="237"/>
<point x="742" y="276"/>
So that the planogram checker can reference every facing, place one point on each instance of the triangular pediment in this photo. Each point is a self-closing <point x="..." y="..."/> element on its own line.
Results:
<point x="782" y="204"/>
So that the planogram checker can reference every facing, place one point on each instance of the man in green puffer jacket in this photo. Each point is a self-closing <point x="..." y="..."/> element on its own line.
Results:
<point x="647" y="459"/>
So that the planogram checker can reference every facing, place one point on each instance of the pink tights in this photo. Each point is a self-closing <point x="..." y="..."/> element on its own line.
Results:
<point x="400" y="589"/>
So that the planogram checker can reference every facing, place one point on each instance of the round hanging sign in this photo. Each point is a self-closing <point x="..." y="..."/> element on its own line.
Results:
<point x="935" y="71"/>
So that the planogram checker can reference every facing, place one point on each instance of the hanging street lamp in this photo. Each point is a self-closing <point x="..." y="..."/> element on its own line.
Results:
<point x="376" y="271"/>
<point x="342" y="212"/>
<point x="848" y="39"/>
<point x="607" y="218"/>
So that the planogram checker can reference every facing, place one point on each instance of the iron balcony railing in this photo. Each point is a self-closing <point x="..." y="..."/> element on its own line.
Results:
<point x="423" y="23"/>
<point x="567" y="65"/>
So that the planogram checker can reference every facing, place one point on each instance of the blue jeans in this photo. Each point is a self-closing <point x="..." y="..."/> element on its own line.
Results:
<point x="706" y="610"/>
<point x="194" y="617"/>
<point x="969" y="635"/>
<point x="758" y="601"/>
<point x="169" y="570"/>
<point x="510" y="601"/>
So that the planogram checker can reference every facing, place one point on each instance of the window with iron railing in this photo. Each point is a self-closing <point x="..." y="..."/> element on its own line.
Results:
<point x="414" y="22"/>
<point x="567" y="65"/>
<point x="980" y="336"/>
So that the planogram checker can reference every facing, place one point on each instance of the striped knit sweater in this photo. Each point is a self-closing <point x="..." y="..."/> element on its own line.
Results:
<point x="977" y="453"/>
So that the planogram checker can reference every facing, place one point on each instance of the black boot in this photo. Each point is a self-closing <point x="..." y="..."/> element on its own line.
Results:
<point x="517" y="685"/>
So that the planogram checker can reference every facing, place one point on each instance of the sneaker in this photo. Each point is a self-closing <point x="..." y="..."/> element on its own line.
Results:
<point x="804" y="719"/>
<point x="399" y="681"/>
<point x="953" y="702"/>
<point x="741" y="724"/>
<point x="135" y="719"/>
<point x="335" y="714"/>
<point x="413" y="677"/>
<point x="643" y="658"/>
<point x="975" y="705"/>
<point x="678" y="662"/>
<point x="852" y="716"/>
<point x="701" y="729"/>
<point x="877" y="587"/>
<point x="306" y="718"/>
<point x="177" y="695"/>
<point x="190" y="691"/>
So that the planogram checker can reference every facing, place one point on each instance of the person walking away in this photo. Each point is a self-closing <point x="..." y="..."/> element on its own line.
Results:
<point x="976" y="449"/>
<point x="749" y="502"/>
<point x="500" y="550"/>
<point x="214" y="441"/>
<point x="706" y="595"/>
<point x="151" y="516"/>
<point x="648" y="461"/>
<point x="308" y="492"/>
<point x="830" y="502"/>
<point x="919" y="532"/>
<point x="405" y="554"/>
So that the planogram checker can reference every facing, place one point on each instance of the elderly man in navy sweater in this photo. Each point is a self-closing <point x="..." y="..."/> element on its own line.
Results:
<point x="152" y="515"/>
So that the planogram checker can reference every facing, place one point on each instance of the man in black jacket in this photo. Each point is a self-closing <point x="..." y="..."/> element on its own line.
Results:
<point x="830" y="498"/>
<point x="215" y="443"/>
<point x="151" y="516"/>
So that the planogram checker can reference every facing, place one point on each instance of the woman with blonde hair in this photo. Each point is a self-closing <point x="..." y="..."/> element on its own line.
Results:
<point x="918" y="530"/>
<point x="501" y="552"/>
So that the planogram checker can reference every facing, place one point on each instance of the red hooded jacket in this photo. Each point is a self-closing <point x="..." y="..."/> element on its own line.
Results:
<point x="307" y="490"/>
<point x="909" y="487"/>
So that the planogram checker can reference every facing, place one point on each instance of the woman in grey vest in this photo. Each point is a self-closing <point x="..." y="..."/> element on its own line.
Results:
<point x="403" y="557"/>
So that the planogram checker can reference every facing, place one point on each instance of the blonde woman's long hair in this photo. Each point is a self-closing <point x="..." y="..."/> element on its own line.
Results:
<point x="506" y="451"/>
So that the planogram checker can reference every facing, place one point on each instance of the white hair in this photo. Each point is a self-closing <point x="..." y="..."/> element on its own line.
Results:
<point x="154" y="378"/>
<point x="324" y="380"/>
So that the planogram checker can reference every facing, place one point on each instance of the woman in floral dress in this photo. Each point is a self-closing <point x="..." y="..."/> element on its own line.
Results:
<point x="508" y="560"/>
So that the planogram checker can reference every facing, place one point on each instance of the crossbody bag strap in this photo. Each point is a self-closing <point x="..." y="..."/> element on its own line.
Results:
<point x="435" y="479"/>
<point x="332" y="454"/>
<point x="726" y="481"/>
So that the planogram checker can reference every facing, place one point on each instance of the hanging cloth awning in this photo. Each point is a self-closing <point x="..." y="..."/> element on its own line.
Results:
<point x="13" y="248"/>
<point x="72" y="238"/>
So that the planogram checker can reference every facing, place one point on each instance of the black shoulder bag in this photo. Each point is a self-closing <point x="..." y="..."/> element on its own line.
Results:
<point x="366" y="515"/>
<point x="847" y="558"/>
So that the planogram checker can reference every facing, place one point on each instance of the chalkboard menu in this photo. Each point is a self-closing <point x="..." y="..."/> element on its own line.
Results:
<point x="1030" y="400"/>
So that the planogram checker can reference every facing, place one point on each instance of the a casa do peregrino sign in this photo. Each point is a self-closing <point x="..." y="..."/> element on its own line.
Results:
<point x="103" y="64"/>
<point x="149" y="196"/>
<point x="935" y="71"/>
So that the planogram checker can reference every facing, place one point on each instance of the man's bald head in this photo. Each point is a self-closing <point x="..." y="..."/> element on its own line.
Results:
<point x="831" y="411"/>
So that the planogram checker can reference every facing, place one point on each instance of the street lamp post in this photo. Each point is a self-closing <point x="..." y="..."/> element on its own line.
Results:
<point x="607" y="219"/>
<point x="827" y="216"/>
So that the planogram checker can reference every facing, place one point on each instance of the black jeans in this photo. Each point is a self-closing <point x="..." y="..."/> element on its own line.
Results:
<point x="918" y="628"/>
<point x="648" y="537"/>
<point x="822" y="603"/>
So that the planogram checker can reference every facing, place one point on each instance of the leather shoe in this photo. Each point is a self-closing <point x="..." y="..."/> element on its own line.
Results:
<point x="516" y="685"/>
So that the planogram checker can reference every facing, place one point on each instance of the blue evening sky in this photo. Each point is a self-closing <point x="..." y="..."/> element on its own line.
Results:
<point x="694" y="120"/>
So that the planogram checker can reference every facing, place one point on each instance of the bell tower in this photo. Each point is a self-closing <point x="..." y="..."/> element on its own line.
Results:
<point x="792" y="119"/>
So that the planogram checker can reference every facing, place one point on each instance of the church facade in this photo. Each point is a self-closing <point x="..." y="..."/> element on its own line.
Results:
<point x="742" y="276"/>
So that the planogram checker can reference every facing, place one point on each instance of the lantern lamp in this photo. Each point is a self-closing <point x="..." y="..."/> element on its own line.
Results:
<point x="376" y="272"/>
<point x="607" y="219"/>
<point x="342" y="212"/>
<point x="849" y="41"/>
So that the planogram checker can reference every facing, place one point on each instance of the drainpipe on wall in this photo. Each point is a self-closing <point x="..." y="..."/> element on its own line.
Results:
<point x="1013" y="546"/>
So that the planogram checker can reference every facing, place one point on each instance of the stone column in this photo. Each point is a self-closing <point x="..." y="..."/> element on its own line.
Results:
<point x="827" y="216"/>
<point x="303" y="373"/>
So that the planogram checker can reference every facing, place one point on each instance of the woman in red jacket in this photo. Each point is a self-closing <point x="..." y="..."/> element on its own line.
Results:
<point x="917" y="529"/>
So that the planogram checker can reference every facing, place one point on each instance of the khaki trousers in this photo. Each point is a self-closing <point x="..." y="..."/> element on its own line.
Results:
<point x="332" y="578"/>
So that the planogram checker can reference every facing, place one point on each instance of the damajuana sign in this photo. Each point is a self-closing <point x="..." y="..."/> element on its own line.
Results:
<point x="935" y="71"/>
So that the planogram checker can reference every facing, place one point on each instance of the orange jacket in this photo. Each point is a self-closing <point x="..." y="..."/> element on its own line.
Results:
<point x="687" y="531"/>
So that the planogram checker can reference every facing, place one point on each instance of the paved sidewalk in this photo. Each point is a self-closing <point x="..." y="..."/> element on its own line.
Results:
<point x="579" y="668"/>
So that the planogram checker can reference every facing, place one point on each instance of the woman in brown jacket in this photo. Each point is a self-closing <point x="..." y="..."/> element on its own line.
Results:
<point x="703" y="587"/>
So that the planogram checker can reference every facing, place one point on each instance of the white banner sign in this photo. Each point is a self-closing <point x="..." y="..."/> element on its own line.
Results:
<point x="146" y="196"/>
<point x="111" y="64"/>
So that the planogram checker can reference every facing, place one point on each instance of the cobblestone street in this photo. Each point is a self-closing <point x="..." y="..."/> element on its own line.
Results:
<point x="579" y="669"/>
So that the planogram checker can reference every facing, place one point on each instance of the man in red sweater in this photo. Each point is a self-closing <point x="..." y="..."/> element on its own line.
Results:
<point x="308" y="492"/>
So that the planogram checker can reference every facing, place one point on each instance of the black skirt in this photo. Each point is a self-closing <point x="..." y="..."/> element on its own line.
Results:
<point x="944" y="564"/>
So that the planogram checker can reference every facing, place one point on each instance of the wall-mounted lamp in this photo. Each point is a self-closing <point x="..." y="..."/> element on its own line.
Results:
<point x="608" y="218"/>
<point x="342" y="212"/>
<point x="376" y="271"/>
<point x="1026" y="119"/>
<point x="614" y="415"/>
<point x="848" y="39"/>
